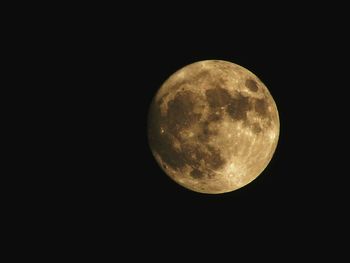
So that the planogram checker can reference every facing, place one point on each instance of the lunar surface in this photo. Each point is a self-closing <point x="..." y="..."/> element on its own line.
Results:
<point x="213" y="126"/>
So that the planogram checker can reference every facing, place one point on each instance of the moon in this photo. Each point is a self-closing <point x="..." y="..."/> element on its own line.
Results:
<point x="213" y="126"/>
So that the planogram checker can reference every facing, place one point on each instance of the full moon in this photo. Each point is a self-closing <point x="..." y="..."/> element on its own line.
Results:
<point x="213" y="126"/>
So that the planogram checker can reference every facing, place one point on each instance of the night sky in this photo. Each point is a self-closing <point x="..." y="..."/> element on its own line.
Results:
<point x="126" y="59"/>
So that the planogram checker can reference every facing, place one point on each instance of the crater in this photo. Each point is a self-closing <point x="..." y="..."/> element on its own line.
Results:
<point x="256" y="128"/>
<point x="238" y="107"/>
<point x="217" y="97"/>
<point x="251" y="85"/>
<point x="196" y="174"/>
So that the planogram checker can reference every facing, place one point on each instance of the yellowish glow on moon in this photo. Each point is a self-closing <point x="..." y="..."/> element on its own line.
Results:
<point x="213" y="126"/>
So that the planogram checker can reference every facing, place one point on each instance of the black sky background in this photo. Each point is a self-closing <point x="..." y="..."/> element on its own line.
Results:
<point x="117" y="188"/>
